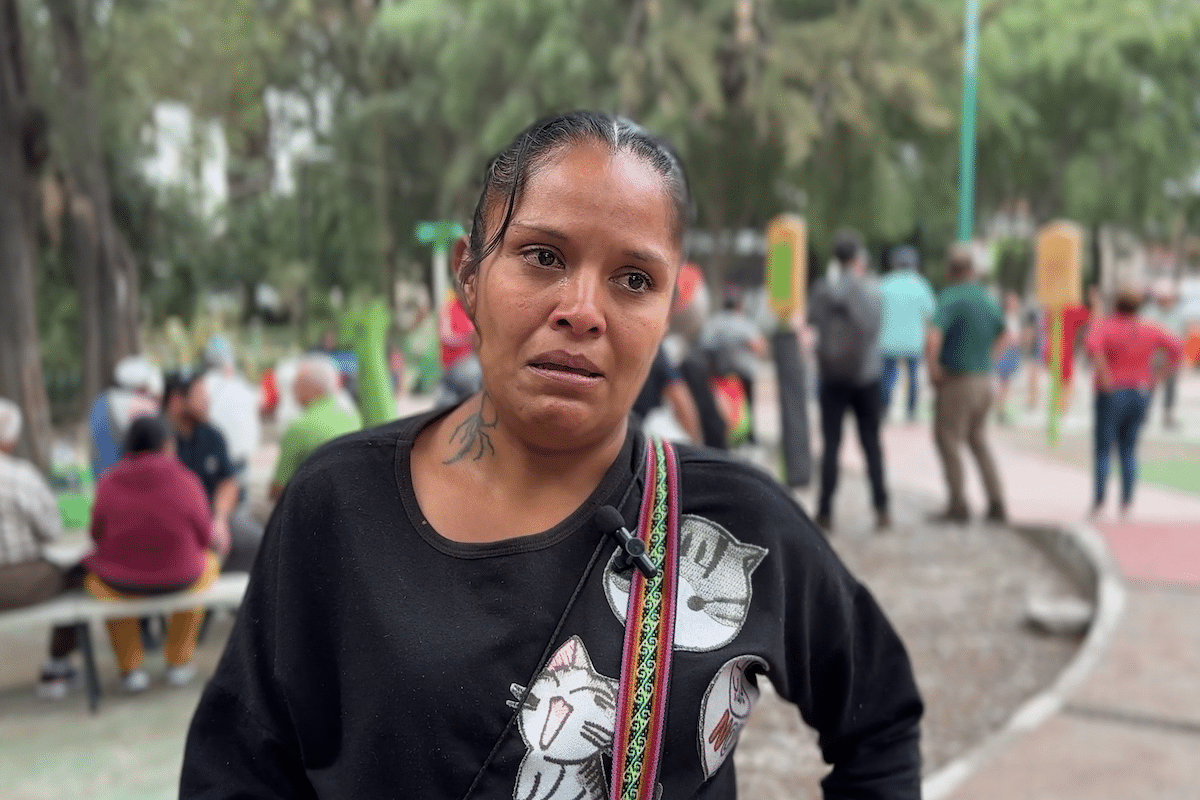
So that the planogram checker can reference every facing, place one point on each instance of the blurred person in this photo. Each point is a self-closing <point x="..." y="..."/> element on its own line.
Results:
<point x="461" y="373"/>
<point x="29" y="522"/>
<point x="967" y="329"/>
<point x="1009" y="359"/>
<point x="690" y="306"/>
<point x="1035" y="338"/>
<point x="153" y="534"/>
<point x="321" y="420"/>
<point x="202" y="449"/>
<point x="233" y="405"/>
<point x="136" y="391"/>
<point x="1124" y="349"/>
<point x="907" y="305"/>
<point x="665" y="405"/>
<point x="1167" y="313"/>
<point x="844" y="310"/>
<point x="734" y="345"/>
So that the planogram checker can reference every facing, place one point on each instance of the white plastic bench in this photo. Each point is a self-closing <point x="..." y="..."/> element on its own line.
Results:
<point x="80" y="609"/>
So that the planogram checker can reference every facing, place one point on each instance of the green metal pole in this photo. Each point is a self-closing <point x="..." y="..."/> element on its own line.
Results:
<point x="966" y="160"/>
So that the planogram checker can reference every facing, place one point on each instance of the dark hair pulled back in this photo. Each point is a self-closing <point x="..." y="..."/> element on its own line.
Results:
<point x="145" y="435"/>
<point x="509" y="170"/>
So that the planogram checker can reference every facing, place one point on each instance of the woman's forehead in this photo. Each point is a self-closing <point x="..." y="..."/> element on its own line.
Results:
<point x="588" y="185"/>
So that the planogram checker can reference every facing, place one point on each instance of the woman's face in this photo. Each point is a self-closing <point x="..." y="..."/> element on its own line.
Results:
<point x="571" y="306"/>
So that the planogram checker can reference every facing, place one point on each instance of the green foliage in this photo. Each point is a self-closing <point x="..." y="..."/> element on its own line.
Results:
<point x="842" y="110"/>
<point x="1088" y="108"/>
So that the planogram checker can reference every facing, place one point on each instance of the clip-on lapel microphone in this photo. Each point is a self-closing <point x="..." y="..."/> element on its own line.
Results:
<point x="632" y="549"/>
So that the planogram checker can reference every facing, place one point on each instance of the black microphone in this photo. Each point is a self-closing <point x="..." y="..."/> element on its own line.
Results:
<point x="633" y="549"/>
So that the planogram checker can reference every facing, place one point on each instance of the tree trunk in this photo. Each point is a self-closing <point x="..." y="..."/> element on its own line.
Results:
<point x="20" y="348"/>
<point x="107" y="273"/>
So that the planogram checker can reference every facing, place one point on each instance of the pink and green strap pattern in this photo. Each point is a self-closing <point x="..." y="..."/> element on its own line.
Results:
<point x="649" y="634"/>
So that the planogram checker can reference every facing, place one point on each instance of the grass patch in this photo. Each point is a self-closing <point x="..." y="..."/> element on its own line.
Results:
<point x="1183" y="475"/>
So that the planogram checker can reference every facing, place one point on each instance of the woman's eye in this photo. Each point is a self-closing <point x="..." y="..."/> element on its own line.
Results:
<point x="637" y="281"/>
<point x="544" y="257"/>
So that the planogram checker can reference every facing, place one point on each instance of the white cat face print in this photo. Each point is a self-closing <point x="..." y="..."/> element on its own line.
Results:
<point x="727" y="705"/>
<point x="567" y="722"/>
<point x="714" y="585"/>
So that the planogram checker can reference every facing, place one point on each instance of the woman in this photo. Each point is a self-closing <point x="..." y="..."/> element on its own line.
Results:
<point x="436" y="612"/>
<point x="1009" y="359"/>
<point x="1124" y="348"/>
<point x="153" y="531"/>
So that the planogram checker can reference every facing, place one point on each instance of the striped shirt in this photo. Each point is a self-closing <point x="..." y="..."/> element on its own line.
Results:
<point x="29" y="516"/>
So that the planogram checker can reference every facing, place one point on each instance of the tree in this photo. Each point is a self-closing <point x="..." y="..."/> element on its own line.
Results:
<point x="22" y="152"/>
<point x="1088" y="109"/>
<point x="106" y="274"/>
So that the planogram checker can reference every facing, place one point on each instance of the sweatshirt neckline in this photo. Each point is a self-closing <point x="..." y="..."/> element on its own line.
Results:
<point x="616" y="480"/>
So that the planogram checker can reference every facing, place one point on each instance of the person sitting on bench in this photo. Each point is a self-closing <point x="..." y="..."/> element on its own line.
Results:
<point x="153" y="533"/>
<point x="30" y="520"/>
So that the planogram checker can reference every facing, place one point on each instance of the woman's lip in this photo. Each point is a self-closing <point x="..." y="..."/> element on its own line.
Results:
<point x="567" y="376"/>
<point x="566" y="362"/>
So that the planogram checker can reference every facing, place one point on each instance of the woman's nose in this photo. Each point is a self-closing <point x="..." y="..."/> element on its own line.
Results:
<point x="580" y="306"/>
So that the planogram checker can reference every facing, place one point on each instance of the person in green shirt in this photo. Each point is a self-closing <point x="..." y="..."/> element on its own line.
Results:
<point x="324" y="417"/>
<point x="967" y="327"/>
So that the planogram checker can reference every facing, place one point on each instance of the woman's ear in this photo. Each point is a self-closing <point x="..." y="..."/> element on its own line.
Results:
<point x="466" y="283"/>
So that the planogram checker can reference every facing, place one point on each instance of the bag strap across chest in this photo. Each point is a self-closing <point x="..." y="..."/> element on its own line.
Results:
<point x="649" y="633"/>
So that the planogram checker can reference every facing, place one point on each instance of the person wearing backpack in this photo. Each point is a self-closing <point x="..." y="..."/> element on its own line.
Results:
<point x="845" y="313"/>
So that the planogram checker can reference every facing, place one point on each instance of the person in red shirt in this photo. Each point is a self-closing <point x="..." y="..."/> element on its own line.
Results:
<point x="462" y="375"/>
<point x="1123" y="348"/>
<point x="153" y="535"/>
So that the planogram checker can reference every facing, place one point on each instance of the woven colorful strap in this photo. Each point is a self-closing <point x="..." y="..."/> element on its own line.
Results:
<point x="649" y="634"/>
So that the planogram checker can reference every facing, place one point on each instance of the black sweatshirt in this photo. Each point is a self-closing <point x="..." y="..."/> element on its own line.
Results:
<point x="373" y="658"/>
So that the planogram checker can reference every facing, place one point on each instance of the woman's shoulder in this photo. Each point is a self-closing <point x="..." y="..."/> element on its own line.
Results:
<point x="715" y="482"/>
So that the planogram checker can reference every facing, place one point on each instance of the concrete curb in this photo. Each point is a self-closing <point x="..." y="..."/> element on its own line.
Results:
<point x="1084" y="555"/>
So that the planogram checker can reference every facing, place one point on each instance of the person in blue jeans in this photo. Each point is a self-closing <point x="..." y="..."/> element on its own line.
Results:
<point x="907" y="304"/>
<point x="1124" y="349"/>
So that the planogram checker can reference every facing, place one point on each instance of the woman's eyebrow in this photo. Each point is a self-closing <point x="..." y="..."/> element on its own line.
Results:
<point x="553" y="233"/>
<point x="646" y="257"/>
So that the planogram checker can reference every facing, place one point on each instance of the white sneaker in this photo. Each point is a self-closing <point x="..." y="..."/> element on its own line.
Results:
<point x="180" y="674"/>
<point x="135" y="681"/>
<point x="55" y="684"/>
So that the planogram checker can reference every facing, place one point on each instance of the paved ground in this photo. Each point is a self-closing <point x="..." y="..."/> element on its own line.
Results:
<point x="1132" y="730"/>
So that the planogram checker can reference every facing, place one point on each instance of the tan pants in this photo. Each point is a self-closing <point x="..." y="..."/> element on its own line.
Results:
<point x="960" y="415"/>
<point x="182" y="628"/>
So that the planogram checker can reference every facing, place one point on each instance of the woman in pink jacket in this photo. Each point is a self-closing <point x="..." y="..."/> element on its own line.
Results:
<point x="153" y="534"/>
<point x="1123" y="347"/>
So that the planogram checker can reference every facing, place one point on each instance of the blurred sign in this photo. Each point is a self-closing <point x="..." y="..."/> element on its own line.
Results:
<point x="1059" y="265"/>
<point x="787" y="264"/>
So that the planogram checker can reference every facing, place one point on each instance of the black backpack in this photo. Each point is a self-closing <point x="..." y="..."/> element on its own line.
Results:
<point x="841" y="352"/>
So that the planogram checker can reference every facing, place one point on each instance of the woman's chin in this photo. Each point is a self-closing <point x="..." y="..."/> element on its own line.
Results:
<point x="557" y="423"/>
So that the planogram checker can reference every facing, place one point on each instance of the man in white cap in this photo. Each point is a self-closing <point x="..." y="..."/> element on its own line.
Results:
<point x="29" y="521"/>
<point x="232" y="404"/>
<point x="137" y="392"/>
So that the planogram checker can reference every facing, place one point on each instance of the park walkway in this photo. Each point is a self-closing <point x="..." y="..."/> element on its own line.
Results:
<point x="1132" y="729"/>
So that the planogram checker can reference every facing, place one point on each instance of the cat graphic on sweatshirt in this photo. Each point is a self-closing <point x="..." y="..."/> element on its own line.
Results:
<point x="714" y="591"/>
<point x="567" y="723"/>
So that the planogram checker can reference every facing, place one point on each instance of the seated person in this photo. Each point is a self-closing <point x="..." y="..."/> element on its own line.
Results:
<point x="29" y="521"/>
<point x="665" y="405"/>
<point x="323" y="418"/>
<point x="153" y="533"/>
<point x="233" y="404"/>
<point x="203" y="450"/>
<point x="136" y="392"/>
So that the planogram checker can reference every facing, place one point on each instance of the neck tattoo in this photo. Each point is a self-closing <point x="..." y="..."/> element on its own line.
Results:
<point x="473" y="434"/>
